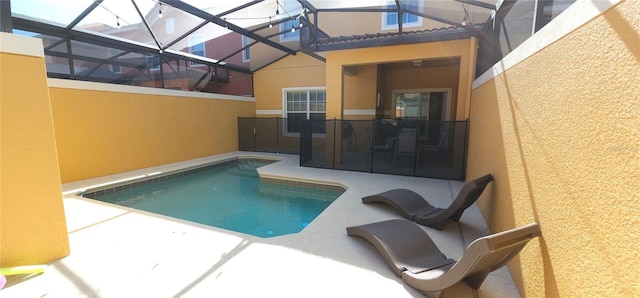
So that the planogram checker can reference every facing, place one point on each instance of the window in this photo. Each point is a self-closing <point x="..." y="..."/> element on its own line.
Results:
<point x="169" y="26"/>
<point x="196" y="47"/>
<point x="290" y="35"/>
<point x="390" y="19"/>
<point x="305" y="103"/>
<point x="292" y="8"/>
<point x="115" y="68"/>
<point x="153" y="61"/>
<point x="246" y="54"/>
<point x="548" y="10"/>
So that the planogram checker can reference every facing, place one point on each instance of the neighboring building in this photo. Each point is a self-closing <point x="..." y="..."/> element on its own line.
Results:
<point x="209" y="42"/>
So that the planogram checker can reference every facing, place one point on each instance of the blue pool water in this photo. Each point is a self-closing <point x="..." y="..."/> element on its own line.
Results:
<point x="228" y="196"/>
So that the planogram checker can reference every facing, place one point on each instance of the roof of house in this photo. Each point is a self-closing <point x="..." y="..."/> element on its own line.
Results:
<point x="327" y="43"/>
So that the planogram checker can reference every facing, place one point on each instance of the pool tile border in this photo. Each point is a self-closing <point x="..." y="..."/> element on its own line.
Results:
<point x="105" y="190"/>
<point x="314" y="185"/>
<point x="168" y="176"/>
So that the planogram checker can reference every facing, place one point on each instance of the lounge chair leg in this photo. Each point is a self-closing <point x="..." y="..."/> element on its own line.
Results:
<point x="475" y="280"/>
<point x="456" y="216"/>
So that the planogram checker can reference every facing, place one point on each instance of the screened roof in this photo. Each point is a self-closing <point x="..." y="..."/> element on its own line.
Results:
<point x="167" y="25"/>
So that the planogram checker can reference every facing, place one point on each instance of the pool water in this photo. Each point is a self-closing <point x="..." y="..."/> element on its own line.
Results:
<point x="228" y="196"/>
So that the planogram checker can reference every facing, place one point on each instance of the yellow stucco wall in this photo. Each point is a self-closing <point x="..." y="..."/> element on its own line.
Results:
<point x="105" y="132"/>
<point x="293" y="71"/>
<point x="560" y="132"/>
<point x="32" y="221"/>
<point x="360" y="88"/>
<point x="296" y="71"/>
<point x="465" y="49"/>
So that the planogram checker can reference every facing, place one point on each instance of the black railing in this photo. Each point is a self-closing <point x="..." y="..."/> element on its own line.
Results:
<point x="267" y="135"/>
<point x="411" y="147"/>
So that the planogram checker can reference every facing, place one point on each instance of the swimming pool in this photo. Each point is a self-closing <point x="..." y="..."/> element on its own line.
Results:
<point x="227" y="195"/>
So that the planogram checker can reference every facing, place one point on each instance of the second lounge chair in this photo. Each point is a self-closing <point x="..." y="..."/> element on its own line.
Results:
<point x="414" y="207"/>
<point x="412" y="255"/>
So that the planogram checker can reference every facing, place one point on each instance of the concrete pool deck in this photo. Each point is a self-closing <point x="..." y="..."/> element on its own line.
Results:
<point x="121" y="252"/>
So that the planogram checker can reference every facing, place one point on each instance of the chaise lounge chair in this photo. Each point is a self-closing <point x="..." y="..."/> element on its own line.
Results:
<point x="414" y="207"/>
<point x="412" y="255"/>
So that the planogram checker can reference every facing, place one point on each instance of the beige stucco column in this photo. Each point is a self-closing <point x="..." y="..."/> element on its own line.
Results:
<point x="32" y="221"/>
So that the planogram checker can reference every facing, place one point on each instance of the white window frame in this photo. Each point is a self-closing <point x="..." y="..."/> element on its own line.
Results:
<point x="192" y="43"/>
<point x="417" y="23"/>
<point x="245" y="42"/>
<point x="284" y="106"/>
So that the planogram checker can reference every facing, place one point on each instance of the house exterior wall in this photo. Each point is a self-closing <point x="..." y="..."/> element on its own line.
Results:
<point x="360" y="92"/>
<point x="292" y="71"/>
<point x="32" y="217"/>
<point x="357" y="87"/>
<point x="356" y="23"/>
<point x="349" y="23"/>
<point x="464" y="49"/>
<point x="102" y="129"/>
<point x="559" y="131"/>
<point x="422" y="78"/>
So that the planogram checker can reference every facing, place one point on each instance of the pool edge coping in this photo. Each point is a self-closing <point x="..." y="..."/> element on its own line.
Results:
<point x="263" y="177"/>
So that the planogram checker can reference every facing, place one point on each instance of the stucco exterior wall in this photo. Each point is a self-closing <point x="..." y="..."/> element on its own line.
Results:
<point x="32" y="222"/>
<point x="355" y="23"/>
<point x="292" y="71"/>
<point x="103" y="129"/>
<point x="337" y="24"/>
<point x="464" y="49"/>
<point x="560" y="133"/>
<point x="360" y="87"/>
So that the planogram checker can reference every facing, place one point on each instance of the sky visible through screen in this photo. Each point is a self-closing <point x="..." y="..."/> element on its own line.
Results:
<point x="65" y="11"/>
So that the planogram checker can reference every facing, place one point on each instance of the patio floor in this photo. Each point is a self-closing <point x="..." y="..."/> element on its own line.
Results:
<point x="121" y="252"/>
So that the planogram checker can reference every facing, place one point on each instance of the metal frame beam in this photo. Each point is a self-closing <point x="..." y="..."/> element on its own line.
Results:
<point x="6" y="24"/>
<point x="307" y="5"/>
<point x="146" y="24"/>
<point x="55" y="44"/>
<point x="183" y="36"/>
<point x="220" y="22"/>
<point x="441" y="20"/>
<point x="196" y="28"/>
<point x="356" y="10"/>
<point x="400" y="12"/>
<point x="274" y="23"/>
<point x="155" y="39"/>
<point x="477" y="3"/>
<point x="67" y="34"/>
<point x="237" y="8"/>
<point x="61" y="32"/>
<point x="238" y="51"/>
<point x="108" y="61"/>
<point x="85" y="13"/>
<point x="99" y="61"/>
